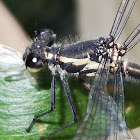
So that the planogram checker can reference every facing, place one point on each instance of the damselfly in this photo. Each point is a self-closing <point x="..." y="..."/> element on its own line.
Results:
<point x="105" y="115"/>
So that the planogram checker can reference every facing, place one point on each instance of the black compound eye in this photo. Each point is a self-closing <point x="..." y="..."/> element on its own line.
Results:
<point x="47" y="36"/>
<point x="34" y="63"/>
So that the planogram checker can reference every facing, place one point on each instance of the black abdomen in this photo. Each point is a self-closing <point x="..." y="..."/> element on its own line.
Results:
<point x="74" y="58"/>
<point x="80" y="50"/>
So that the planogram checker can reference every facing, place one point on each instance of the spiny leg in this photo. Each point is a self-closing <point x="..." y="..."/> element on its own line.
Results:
<point x="75" y="117"/>
<point x="52" y="104"/>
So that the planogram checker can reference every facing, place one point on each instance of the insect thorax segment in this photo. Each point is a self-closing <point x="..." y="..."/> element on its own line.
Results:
<point x="115" y="53"/>
<point x="84" y="57"/>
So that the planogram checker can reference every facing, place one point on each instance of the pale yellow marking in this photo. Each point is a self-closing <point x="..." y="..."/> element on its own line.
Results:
<point x="88" y="55"/>
<point x="123" y="52"/>
<point x="112" y="64"/>
<point x="90" y="74"/>
<point x="52" y="67"/>
<point x="101" y="50"/>
<point x="67" y="60"/>
<point x="50" y="55"/>
<point x="81" y="61"/>
<point x="100" y="57"/>
<point x="111" y="44"/>
<point x="119" y="58"/>
<point x="32" y="70"/>
<point x="91" y="65"/>
<point x="101" y="41"/>
<point x="119" y="46"/>
<point x="46" y="54"/>
<point x="55" y="56"/>
<point x="114" y="58"/>
<point x="76" y="62"/>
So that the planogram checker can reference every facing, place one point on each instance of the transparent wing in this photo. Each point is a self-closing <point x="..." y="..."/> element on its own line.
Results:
<point x="87" y="130"/>
<point x="10" y="59"/>
<point x="121" y="130"/>
<point x="121" y="18"/>
<point x="104" y="118"/>
<point x="132" y="39"/>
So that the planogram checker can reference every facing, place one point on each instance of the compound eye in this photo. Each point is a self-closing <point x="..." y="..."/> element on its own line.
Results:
<point x="47" y="36"/>
<point x="34" y="63"/>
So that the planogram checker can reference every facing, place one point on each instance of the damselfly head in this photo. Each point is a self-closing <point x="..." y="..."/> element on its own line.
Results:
<point x="34" y="56"/>
<point x="34" y="63"/>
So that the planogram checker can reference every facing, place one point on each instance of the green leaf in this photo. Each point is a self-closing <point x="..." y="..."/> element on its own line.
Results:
<point x="20" y="100"/>
<point x="132" y="103"/>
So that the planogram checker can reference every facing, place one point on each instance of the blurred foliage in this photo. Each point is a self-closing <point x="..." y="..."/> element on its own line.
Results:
<point x="58" y="15"/>
<point x="132" y="103"/>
